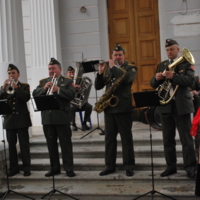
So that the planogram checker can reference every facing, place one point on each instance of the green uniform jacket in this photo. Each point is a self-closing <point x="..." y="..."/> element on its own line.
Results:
<point x="184" y="77"/>
<point x="65" y="95"/>
<point x="123" y="91"/>
<point x="18" y="103"/>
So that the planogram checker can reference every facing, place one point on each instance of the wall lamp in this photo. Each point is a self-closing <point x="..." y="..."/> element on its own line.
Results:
<point x="83" y="9"/>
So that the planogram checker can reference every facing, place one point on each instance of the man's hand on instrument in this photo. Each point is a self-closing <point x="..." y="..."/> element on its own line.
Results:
<point x="111" y="63"/>
<point x="48" y="85"/>
<point x="195" y="92"/>
<point x="168" y="74"/>
<point x="55" y="89"/>
<point x="6" y="83"/>
<point x="102" y="67"/>
<point x="77" y="87"/>
<point x="159" y="76"/>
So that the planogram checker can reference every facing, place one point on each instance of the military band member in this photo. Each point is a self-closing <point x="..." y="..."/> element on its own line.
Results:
<point x="17" y="123"/>
<point x="118" y="119"/>
<point x="87" y="107"/>
<point x="176" y="113"/>
<point x="56" y="123"/>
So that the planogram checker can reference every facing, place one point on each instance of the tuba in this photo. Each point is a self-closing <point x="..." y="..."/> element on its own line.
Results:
<point x="164" y="89"/>
<point x="82" y="94"/>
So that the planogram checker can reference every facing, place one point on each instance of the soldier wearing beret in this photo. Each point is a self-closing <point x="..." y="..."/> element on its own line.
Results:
<point x="56" y="123"/>
<point x="176" y="114"/>
<point x="87" y="108"/>
<point x="17" y="123"/>
<point x="118" y="119"/>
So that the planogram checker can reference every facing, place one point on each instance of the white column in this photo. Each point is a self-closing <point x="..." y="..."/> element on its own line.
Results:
<point x="11" y="40"/>
<point x="45" y="41"/>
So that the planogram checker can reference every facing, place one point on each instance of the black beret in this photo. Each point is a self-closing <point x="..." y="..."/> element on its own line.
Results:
<point x="53" y="61"/>
<point x="12" y="67"/>
<point x="70" y="68"/>
<point x="118" y="47"/>
<point x="170" y="42"/>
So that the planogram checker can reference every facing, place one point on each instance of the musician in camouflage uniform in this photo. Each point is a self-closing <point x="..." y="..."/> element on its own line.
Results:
<point x="118" y="119"/>
<point x="56" y="123"/>
<point x="17" y="123"/>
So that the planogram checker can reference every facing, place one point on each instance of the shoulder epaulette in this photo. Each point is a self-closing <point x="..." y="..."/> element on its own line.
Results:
<point x="44" y="79"/>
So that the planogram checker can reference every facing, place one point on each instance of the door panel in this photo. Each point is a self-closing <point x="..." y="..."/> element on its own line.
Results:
<point x="134" y="25"/>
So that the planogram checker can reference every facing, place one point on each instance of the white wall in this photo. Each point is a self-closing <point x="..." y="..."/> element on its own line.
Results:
<point x="84" y="36"/>
<point x="182" y="24"/>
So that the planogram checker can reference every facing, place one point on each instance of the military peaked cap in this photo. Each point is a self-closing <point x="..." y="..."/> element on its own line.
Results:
<point x="170" y="42"/>
<point x="12" y="67"/>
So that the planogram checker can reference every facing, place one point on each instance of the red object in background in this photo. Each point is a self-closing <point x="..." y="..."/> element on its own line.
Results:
<point x="195" y="124"/>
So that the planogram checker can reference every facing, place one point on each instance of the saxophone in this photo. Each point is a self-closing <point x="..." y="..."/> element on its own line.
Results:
<point x="107" y="99"/>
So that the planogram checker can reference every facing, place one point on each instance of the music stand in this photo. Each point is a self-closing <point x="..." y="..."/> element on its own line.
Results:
<point x="6" y="110"/>
<point x="146" y="99"/>
<point x="91" y="66"/>
<point x="49" y="102"/>
<point x="46" y="102"/>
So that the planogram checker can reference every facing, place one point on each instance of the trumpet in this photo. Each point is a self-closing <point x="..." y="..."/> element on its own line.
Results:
<point x="10" y="89"/>
<point x="49" y="91"/>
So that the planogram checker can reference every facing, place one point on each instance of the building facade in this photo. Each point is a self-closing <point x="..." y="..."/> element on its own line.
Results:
<point x="33" y="31"/>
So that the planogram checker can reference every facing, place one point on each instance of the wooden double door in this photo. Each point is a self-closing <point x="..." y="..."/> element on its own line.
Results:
<point x="135" y="25"/>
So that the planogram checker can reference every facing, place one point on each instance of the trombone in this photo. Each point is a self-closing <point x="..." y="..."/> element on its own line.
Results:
<point x="49" y="91"/>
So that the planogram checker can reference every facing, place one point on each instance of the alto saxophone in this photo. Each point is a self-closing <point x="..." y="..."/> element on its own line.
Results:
<point x="107" y="99"/>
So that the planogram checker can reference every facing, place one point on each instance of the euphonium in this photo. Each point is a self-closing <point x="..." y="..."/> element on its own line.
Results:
<point x="10" y="89"/>
<point x="164" y="89"/>
<point x="107" y="99"/>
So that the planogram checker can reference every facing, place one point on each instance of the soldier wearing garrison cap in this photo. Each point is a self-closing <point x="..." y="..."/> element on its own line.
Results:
<point x="118" y="119"/>
<point x="17" y="123"/>
<point x="56" y="123"/>
<point x="175" y="114"/>
<point x="86" y="107"/>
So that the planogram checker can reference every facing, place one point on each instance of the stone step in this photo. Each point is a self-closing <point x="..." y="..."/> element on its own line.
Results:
<point x="89" y="185"/>
<point x="98" y="164"/>
<point x="99" y="141"/>
<point x="99" y="152"/>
